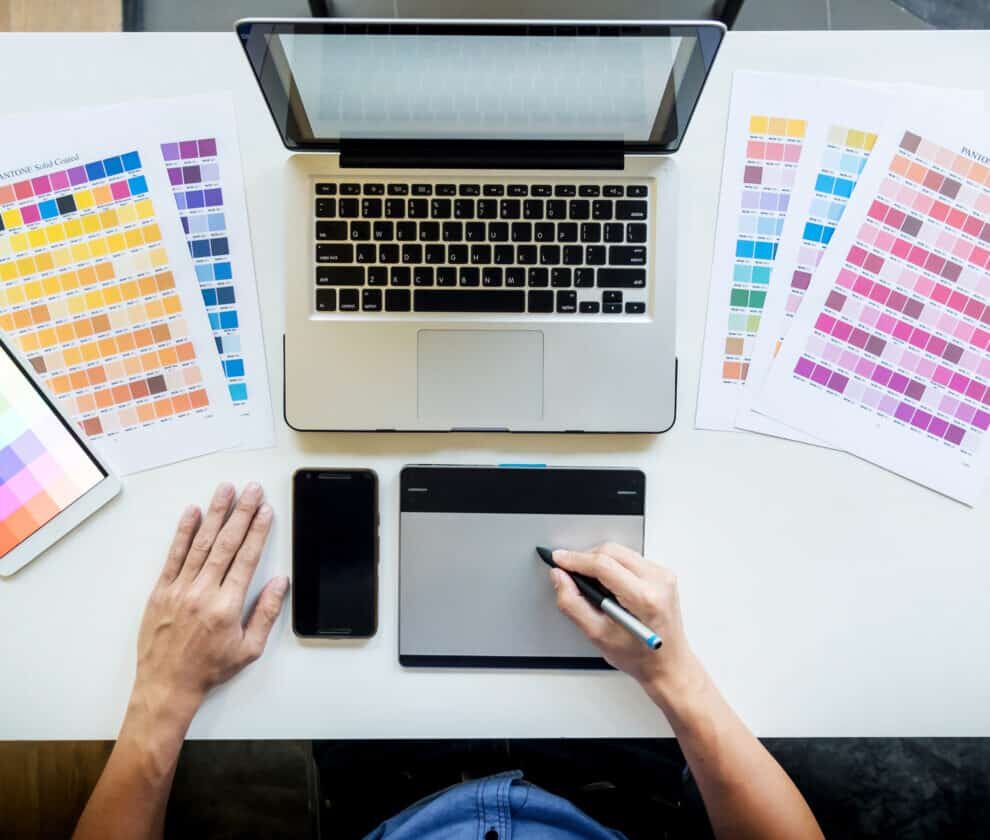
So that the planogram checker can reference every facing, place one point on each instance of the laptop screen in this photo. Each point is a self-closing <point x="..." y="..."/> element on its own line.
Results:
<point x="629" y="84"/>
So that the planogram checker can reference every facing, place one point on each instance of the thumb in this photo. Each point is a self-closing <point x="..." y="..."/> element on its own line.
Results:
<point x="262" y="619"/>
<point x="574" y="605"/>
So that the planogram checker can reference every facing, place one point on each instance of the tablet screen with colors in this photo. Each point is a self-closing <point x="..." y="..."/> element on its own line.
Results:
<point x="43" y="466"/>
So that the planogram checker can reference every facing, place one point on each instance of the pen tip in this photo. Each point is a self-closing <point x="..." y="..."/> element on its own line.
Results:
<point x="545" y="554"/>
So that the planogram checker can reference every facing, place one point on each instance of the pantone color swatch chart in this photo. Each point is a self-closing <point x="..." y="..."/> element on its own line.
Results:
<point x="43" y="469"/>
<point x="890" y="356"/>
<point x="194" y="173"/>
<point x="763" y="148"/>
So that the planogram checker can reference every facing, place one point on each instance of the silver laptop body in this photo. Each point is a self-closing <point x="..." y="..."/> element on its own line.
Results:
<point x="481" y="219"/>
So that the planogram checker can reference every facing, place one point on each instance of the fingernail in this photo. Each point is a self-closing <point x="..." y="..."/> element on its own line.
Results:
<point x="191" y="512"/>
<point x="252" y="491"/>
<point x="225" y="490"/>
<point x="264" y="512"/>
<point x="281" y="585"/>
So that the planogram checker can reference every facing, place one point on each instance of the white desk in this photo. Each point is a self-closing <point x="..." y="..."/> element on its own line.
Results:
<point x="876" y="627"/>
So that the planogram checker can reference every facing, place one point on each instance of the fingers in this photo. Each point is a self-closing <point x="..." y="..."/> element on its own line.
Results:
<point x="573" y="604"/>
<point x="231" y="536"/>
<point x="625" y="556"/>
<point x="246" y="560"/>
<point x="216" y="514"/>
<point x="626" y="586"/>
<point x="263" y="616"/>
<point x="184" y="534"/>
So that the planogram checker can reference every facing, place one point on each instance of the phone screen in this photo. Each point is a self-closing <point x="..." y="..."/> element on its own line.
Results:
<point x="335" y="552"/>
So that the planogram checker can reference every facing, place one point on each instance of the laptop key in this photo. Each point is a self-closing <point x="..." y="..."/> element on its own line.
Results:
<point x="504" y="255"/>
<point x="487" y="208"/>
<point x="440" y="208"/>
<point x="481" y="254"/>
<point x="429" y="231"/>
<point x="491" y="277"/>
<point x="498" y="231"/>
<point x="395" y="208"/>
<point x="418" y="208"/>
<point x="332" y="275"/>
<point x="326" y="189"/>
<point x="326" y="208"/>
<point x="567" y="232"/>
<point x="543" y="232"/>
<point x="446" y="276"/>
<point x="541" y="190"/>
<point x="348" y="208"/>
<point x="627" y="255"/>
<point x="518" y="189"/>
<point x="522" y="232"/>
<point x="470" y="189"/>
<point x="412" y="253"/>
<point x="471" y="300"/>
<point x="612" y="297"/>
<point x="453" y="231"/>
<point x="435" y="254"/>
<point x="468" y="276"/>
<point x="463" y="208"/>
<point x="556" y="209"/>
<point x="365" y="253"/>
<point x="371" y="208"/>
<point x="612" y="308"/>
<point x="446" y="189"/>
<point x="377" y="275"/>
<point x="584" y="278"/>
<point x="348" y="300"/>
<point x="601" y="210"/>
<point x="636" y="232"/>
<point x="422" y="189"/>
<point x="613" y="190"/>
<point x="371" y="300"/>
<point x="591" y="232"/>
<point x="383" y="231"/>
<point x="515" y="276"/>
<point x="423" y="275"/>
<point x="350" y="189"/>
<point x="635" y="210"/>
<point x="405" y="231"/>
<point x="540" y="301"/>
<point x="567" y="301"/>
<point x="526" y="255"/>
<point x="388" y="252"/>
<point x="560" y="278"/>
<point x="457" y="254"/>
<point x="589" y="307"/>
<point x="510" y="208"/>
<point x="621" y="278"/>
<point x="565" y="190"/>
<point x="635" y="307"/>
<point x="326" y="300"/>
<point x="532" y="208"/>
<point x="360" y="231"/>
<point x="549" y="254"/>
<point x="579" y="209"/>
<point x="614" y="232"/>
<point x="474" y="231"/>
<point x="589" y="190"/>
<point x="331" y="230"/>
<point x="334" y="253"/>
<point x="539" y="278"/>
<point x="397" y="300"/>
<point x="493" y="189"/>
<point x="398" y="189"/>
<point x="374" y="189"/>
<point x="400" y="275"/>
<point x="636" y="191"/>
<point x="595" y="255"/>
<point x="573" y="255"/>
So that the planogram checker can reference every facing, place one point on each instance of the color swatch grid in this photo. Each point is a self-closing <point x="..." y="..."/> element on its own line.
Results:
<point x="42" y="467"/>
<point x="194" y="173"/>
<point x="844" y="157"/>
<point x="905" y="330"/>
<point x="773" y="150"/>
<point x="86" y="290"/>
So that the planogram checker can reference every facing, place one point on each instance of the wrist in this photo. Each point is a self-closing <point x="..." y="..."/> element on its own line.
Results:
<point x="155" y="727"/>
<point x="678" y="688"/>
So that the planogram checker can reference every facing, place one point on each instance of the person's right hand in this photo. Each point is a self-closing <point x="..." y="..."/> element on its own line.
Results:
<point x="648" y="591"/>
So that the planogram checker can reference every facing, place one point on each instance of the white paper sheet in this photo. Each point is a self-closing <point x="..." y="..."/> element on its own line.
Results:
<point x="97" y="289"/>
<point x="889" y="354"/>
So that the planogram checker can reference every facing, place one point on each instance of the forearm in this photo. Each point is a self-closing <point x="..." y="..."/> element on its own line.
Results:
<point x="131" y="796"/>
<point x="747" y="794"/>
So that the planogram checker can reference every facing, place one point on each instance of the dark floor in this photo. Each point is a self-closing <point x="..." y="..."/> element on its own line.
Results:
<point x="899" y="788"/>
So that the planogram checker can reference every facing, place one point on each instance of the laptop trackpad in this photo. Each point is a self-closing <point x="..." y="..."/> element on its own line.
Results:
<point x="480" y="378"/>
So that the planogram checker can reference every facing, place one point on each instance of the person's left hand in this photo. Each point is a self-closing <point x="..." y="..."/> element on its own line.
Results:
<point x="192" y="636"/>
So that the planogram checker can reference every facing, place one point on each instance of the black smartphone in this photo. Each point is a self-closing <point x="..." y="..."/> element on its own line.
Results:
<point x="335" y="553"/>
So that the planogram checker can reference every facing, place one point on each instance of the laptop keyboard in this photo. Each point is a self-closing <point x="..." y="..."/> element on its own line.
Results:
<point x="546" y="248"/>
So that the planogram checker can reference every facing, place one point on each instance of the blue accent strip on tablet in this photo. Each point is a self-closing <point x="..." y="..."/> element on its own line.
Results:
<point x="524" y="466"/>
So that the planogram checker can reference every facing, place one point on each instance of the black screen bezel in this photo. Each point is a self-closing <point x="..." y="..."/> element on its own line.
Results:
<point x="709" y="34"/>
<point x="306" y="574"/>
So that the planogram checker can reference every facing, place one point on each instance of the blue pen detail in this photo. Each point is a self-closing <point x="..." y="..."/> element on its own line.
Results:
<point x="651" y="642"/>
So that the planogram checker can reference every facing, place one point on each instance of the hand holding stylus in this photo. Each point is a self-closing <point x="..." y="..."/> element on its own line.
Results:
<point x="645" y="589"/>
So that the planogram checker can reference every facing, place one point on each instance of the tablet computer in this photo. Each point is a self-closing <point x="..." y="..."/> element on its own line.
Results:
<point x="50" y="479"/>
<point x="472" y="590"/>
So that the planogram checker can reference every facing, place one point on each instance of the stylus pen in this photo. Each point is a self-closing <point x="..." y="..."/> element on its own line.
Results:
<point x="605" y="601"/>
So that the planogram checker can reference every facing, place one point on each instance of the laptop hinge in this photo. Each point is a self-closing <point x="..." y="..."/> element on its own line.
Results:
<point x="478" y="154"/>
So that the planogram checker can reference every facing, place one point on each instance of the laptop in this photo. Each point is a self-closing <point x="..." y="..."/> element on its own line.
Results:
<point x="481" y="219"/>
